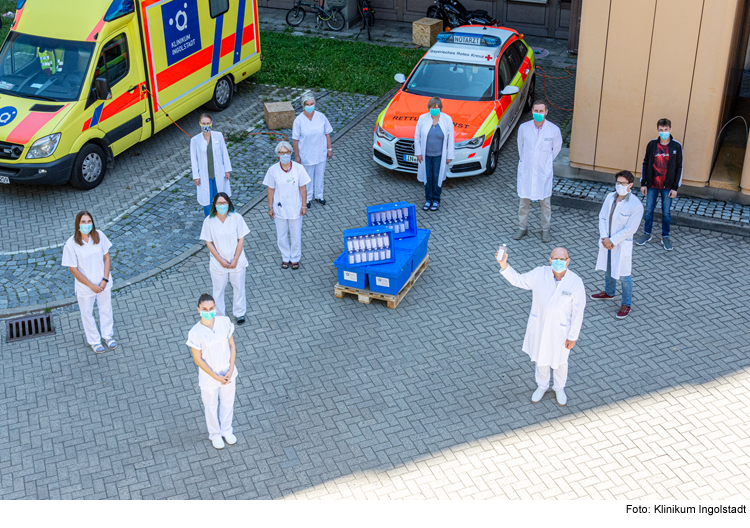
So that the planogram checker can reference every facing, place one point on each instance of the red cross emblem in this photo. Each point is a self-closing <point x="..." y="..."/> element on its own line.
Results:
<point x="488" y="57"/>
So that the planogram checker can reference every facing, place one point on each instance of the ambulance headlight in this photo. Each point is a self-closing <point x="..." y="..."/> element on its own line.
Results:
<point x="385" y="135"/>
<point x="45" y="147"/>
<point x="471" y="143"/>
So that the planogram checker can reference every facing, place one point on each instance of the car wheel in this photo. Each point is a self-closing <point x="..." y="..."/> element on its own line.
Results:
<point x="89" y="167"/>
<point x="531" y="95"/>
<point x="223" y="93"/>
<point x="493" y="155"/>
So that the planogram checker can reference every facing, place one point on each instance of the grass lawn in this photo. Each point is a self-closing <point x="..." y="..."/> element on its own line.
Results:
<point x="5" y="6"/>
<point x="342" y="65"/>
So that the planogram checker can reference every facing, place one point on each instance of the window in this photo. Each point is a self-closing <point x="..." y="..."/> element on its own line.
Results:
<point x="218" y="7"/>
<point x="464" y="82"/>
<point x="114" y="62"/>
<point x="522" y="50"/>
<point x="504" y="75"/>
<point x="515" y="59"/>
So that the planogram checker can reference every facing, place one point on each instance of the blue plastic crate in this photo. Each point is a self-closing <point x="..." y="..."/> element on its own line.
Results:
<point x="380" y="255"/>
<point x="390" y="278"/>
<point x="353" y="276"/>
<point x="403" y="226"/>
<point x="417" y="245"/>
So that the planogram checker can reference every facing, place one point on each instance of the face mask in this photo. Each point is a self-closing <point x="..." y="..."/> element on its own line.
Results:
<point x="622" y="190"/>
<point x="538" y="117"/>
<point x="208" y="315"/>
<point x="310" y="109"/>
<point x="206" y="128"/>
<point x="85" y="228"/>
<point x="664" y="135"/>
<point x="285" y="158"/>
<point x="559" y="265"/>
<point x="434" y="112"/>
<point x="222" y="209"/>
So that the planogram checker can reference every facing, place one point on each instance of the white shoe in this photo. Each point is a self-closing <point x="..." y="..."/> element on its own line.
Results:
<point x="231" y="439"/>
<point x="218" y="443"/>
<point x="562" y="399"/>
<point x="538" y="395"/>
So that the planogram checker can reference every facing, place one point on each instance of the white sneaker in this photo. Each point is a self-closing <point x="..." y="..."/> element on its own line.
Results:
<point x="218" y="443"/>
<point x="231" y="439"/>
<point x="562" y="399"/>
<point x="538" y="395"/>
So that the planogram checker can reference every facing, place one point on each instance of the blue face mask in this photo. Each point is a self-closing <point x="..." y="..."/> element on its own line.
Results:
<point x="664" y="135"/>
<point x="208" y="315"/>
<point x="206" y="128"/>
<point x="310" y="109"/>
<point x="85" y="228"/>
<point x="222" y="209"/>
<point x="285" y="158"/>
<point x="538" y="117"/>
<point x="559" y="265"/>
<point x="434" y="112"/>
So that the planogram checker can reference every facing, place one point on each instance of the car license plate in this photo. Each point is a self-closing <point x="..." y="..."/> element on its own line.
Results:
<point x="4" y="179"/>
<point x="409" y="158"/>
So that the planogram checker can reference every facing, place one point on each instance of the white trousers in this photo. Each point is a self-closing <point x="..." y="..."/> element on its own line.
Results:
<point x="560" y="375"/>
<point x="316" y="180"/>
<point x="86" y="304"/>
<point x="286" y="231"/>
<point x="219" y="282"/>
<point x="226" y="412"/>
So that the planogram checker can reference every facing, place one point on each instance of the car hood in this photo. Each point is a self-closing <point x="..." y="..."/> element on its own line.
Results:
<point x="22" y="119"/>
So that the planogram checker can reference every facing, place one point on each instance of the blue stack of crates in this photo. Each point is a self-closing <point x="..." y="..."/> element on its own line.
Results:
<point x="409" y="243"/>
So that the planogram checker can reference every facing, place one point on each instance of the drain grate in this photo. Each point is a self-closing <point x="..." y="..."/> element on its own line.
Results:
<point x="29" y="326"/>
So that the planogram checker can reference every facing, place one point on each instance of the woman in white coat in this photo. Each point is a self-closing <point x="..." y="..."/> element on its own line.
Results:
<point x="86" y="253"/>
<point x="434" y="148"/>
<point x="619" y="219"/>
<point x="287" y="195"/>
<point x="311" y="134"/>
<point x="224" y="232"/>
<point x="211" y="165"/>
<point x="557" y="306"/>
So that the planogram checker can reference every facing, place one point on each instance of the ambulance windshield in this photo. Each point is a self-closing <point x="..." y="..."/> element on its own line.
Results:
<point x="43" y="68"/>
<point x="451" y="80"/>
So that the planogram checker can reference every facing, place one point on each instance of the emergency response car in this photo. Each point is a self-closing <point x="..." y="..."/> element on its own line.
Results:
<point x="485" y="79"/>
<point x="83" y="80"/>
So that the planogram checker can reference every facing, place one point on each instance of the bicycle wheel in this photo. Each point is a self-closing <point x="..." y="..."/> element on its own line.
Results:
<point x="336" y="22"/>
<point x="295" y="16"/>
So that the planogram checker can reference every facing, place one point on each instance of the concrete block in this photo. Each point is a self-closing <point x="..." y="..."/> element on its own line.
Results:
<point x="278" y="115"/>
<point x="424" y="31"/>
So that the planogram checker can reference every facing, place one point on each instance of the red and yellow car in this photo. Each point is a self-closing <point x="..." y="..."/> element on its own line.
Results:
<point x="485" y="78"/>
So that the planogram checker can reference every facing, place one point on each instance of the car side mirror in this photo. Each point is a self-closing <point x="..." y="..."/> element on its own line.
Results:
<point x="510" y="90"/>
<point x="400" y="78"/>
<point x="101" y="86"/>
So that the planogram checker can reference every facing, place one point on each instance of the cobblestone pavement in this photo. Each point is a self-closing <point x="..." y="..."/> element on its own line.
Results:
<point x="168" y="222"/>
<point x="339" y="399"/>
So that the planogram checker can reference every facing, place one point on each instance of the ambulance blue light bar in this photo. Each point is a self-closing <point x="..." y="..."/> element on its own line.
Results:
<point x="469" y="39"/>
<point x="119" y="8"/>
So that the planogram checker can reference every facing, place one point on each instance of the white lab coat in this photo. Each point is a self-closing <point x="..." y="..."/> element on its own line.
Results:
<point x="420" y="143"/>
<point x="556" y="313"/>
<point x="625" y="222"/>
<point x="537" y="151"/>
<point x="222" y="165"/>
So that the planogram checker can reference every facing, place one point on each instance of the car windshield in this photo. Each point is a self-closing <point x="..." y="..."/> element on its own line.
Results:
<point x="452" y="80"/>
<point x="43" y="68"/>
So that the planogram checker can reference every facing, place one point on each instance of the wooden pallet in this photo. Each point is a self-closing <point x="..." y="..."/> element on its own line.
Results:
<point x="365" y="296"/>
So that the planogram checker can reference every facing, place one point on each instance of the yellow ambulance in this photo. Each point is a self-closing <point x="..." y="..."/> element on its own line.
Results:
<point x="83" y="80"/>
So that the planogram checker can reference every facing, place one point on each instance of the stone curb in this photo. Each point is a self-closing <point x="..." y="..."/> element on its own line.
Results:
<point x="195" y="249"/>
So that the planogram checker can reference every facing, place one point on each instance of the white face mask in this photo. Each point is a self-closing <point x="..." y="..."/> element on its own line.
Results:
<point x="622" y="190"/>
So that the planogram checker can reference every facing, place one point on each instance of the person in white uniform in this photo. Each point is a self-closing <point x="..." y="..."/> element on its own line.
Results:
<point x="435" y="149"/>
<point x="212" y="344"/>
<point x="224" y="232"/>
<point x="539" y="143"/>
<point x="210" y="163"/>
<point x="619" y="219"/>
<point x="86" y="253"/>
<point x="557" y="306"/>
<point x="311" y="134"/>
<point x="287" y="193"/>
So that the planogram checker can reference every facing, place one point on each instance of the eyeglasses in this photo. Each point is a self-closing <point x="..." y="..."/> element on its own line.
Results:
<point x="284" y="152"/>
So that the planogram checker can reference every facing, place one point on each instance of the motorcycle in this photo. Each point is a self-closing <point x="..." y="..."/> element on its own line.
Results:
<point x="454" y="14"/>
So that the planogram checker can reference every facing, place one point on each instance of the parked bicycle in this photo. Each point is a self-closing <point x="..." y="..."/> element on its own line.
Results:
<point x="331" y="16"/>
<point x="368" y="17"/>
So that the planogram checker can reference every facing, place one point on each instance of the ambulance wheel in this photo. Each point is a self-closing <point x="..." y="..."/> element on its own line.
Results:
<point x="89" y="167"/>
<point x="493" y="155"/>
<point x="222" y="94"/>
<point x="530" y="96"/>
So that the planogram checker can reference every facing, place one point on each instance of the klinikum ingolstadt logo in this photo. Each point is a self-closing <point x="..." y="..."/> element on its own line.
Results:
<point x="7" y="115"/>
<point x="182" y="32"/>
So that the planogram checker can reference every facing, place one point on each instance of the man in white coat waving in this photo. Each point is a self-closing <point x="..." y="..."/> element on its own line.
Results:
<point x="557" y="305"/>
<point x="618" y="221"/>
<point x="539" y="143"/>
